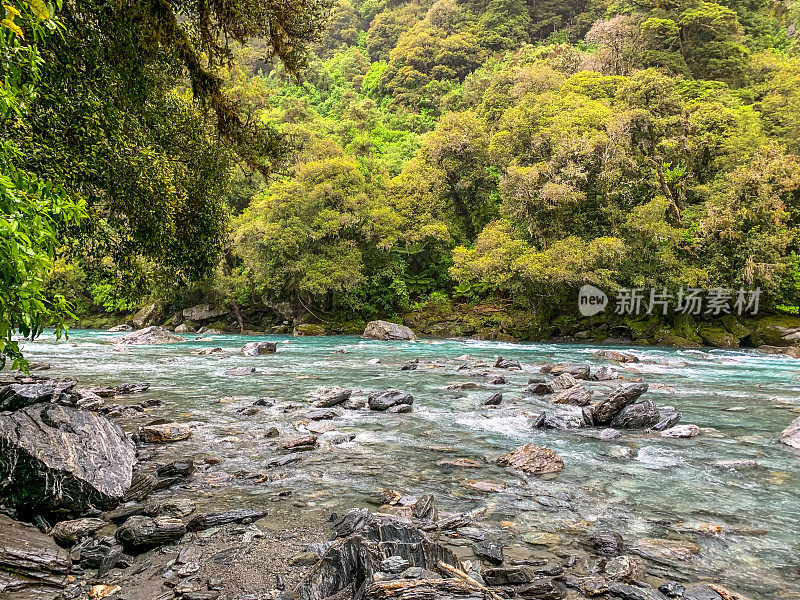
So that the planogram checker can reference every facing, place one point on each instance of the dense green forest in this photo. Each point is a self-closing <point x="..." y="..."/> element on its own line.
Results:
<point x="422" y="153"/>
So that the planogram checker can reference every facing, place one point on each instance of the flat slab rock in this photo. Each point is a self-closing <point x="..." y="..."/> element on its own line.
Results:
<point x="28" y="558"/>
<point x="149" y="335"/>
<point x="532" y="459"/>
<point x="63" y="460"/>
<point x="384" y="330"/>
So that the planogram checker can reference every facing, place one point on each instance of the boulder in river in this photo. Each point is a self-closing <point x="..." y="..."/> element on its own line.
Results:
<point x="681" y="431"/>
<point x="640" y="415"/>
<point x="619" y="399"/>
<point x="494" y="400"/>
<point x="384" y="330"/>
<point x="149" y="335"/>
<point x="791" y="435"/>
<point x="20" y="395"/>
<point x="28" y="558"/>
<point x="387" y="399"/>
<point x="121" y="328"/>
<point x="538" y="389"/>
<point x="56" y="459"/>
<point x="616" y="356"/>
<point x="506" y="363"/>
<point x="577" y="370"/>
<point x="256" y="348"/>
<point x="605" y="373"/>
<point x="327" y="397"/>
<point x="563" y="382"/>
<point x="532" y="459"/>
<point x="577" y="395"/>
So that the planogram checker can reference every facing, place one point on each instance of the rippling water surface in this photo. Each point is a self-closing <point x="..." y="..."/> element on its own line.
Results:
<point x="643" y="485"/>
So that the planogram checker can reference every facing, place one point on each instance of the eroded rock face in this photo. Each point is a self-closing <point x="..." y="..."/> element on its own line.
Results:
<point x="363" y="542"/>
<point x="532" y="459"/>
<point x="28" y="558"/>
<point x="59" y="460"/>
<point x="384" y="330"/>
<point x="149" y="335"/>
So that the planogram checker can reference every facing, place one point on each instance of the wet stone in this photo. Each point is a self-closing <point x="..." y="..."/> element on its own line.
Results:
<point x="490" y="550"/>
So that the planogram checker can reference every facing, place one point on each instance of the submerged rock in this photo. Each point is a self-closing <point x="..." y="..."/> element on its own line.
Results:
<point x="56" y="459"/>
<point x="237" y="371"/>
<point x="28" y="558"/>
<point x="256" y="348"/>
<point x="388" y="399"/>
<point x="532" y="459"/>
<point x="150" y="335"/>
<point x="494" y="400"/>
<point x="384" y="330"/>
<point x="622" y="397"/>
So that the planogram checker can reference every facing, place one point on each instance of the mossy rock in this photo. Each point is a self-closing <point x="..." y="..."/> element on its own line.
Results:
<point x="717" y="336"/>
<point x="684" y="326"/>
<point x="735" y="326"/>
<point x="308" y="330"/>
<point x="777" y="330"/>
<point x="680" y="342"/>
<point x="219" y="326"/>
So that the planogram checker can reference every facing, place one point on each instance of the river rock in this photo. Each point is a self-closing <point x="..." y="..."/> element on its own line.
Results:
<point x="657" y="548"/>
<point x="532" y="459"/>
<point x="537" y="389"/>
<point x="28" y="558"/>
<point x="490" y="550"/>
<point x="331" y="396"/>
<point x="122" y="327"/>
<point x="545" y="588"/>
<point x="87" y="400"/>
<point x="363" y="541"/>
<point x="203" y="312"/>
<point x="513" y="575"/>
<point x="183" y="467"/>
<point x="20" y="395"/>
<point x="577" y="395"/>
<point x="640" y="415"/>
<point x="616" y="356"/>
<point x="563" y="382"/>
<point x="619" y="399"/>
<point x="681" y="431"/>
<point x="634" y="592"/>
<point x="667" y="420"/>
<point x="605" y="373"/>
<point x="607" y="543"/>
<point x="323" y="414"/>
<point x="791" y="435"/>
<point x="384" y="330"/>
<point x="238" y="371"/>
<point x="149" y="335"/>
<point x="494" y="400"/>
<point x="132" y="388"/>
<point x="577" y="370"/>
<point x="672" y="589"/>
<point x="163" y="433"/>
<point x="305" y="442"/>
<point x="622" y="568"/>
<point x="506" y="363"/>
<point x="386" y="399"/>
<point x="256" y="348"/>
<point x="139" y="533"/>
<point x="67" y="533"/>
<point x="57" y="459"/>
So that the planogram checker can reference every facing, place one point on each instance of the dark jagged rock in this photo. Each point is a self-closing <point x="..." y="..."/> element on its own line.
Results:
<point x="424" y="509"/>
<point x="615" y="402"/>
<point x="634" y="592"/>
<point x="56" y="459"/>
<point x="672" y="589"/>
<point x="667" y="421"/>
<point x="515" y="575"/>
<point x="20" y="395"/>
<point x="364" y="541"/>
<point x="384" y="330"/>
<point x="425" y="589"/>
<point x="499" y="380"/>
<point x="506" y="363"/>
<point x="102" y="555"/>
<point x="491" y="550"/>
<point x="546" y="588"/>
<point x="132" y="388"/>
<point x="139" y="532"/>
<point x="411" y="365"/>
<point x="386" y="399"/>
<point x="179" y="468"/>
<point x="208" y="520"/>
<point x="67" y="533"/>
<point x="703" y="592"/>
<point x="494" y="400"/>
<point x="538" y="389"/>
<point x="607" y="543"/>
<point x="29" y="558"/>
<point x="640" y="415"/>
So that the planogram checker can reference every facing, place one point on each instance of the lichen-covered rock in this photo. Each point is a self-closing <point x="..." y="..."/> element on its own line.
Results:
<point x="148" y="315"/>
<point x="56" y="459"/>
<point x="28" y="558"/>
<point x="532" y="459"/>
<point x="149" y="335"/>
<point x="384" y="330"/>
<point x="777" y="330"/>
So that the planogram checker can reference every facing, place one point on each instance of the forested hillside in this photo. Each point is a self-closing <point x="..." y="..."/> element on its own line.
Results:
<point x="463" y="151"/>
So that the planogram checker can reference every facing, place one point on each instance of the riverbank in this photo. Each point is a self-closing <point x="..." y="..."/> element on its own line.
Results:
<point x="715" y="508"/>
<point x="773" y="333"/>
